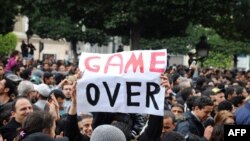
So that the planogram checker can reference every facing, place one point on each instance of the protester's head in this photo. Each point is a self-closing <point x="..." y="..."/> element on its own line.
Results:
<point x="26" y="89"/>
<point x="59" y="97"/>
<point x="173" y="136"/>
<point x="224" y="117"/>
<point x="202" y="107"/>
<point x="7" y="86"/>
<point x="26" y="74"/>
<point x="107" y="133"/>
<point x="177" y="110"/>
<point x="43" y="90"/>
<point x="15" y="53"/>
<point x="21" y="107"/>
<point x="86" y="122"/>
<point x="39" y="121"/>
<point x="226" y="105"/>
<point x="67" y="88"/>
<point x="168" y="122"/>
<point x="217" y="133"/>
<point x="230" y="92"/>
<point x="1" y="70"/>
<point x="217" y="96"/>
<point x="238" y="101"/>
<point x="48" y="78"/>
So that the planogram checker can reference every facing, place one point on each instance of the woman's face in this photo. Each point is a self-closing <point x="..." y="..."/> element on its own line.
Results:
<point x="229" y="121"/>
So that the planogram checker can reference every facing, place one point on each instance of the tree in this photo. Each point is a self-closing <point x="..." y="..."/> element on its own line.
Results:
<point x="60" y="20"/>
<point x="162" y="21"/>
<point x="8" y="43"/>
<point x="8" y="10"/>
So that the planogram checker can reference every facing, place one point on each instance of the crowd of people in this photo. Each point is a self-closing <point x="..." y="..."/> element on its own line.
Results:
<point x="38" y="102"/>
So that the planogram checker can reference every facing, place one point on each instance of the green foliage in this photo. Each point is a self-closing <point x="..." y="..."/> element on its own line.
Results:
<point x="219" y="60"/>
<point x="8" y="42"/>
<point x="8" y="10"/>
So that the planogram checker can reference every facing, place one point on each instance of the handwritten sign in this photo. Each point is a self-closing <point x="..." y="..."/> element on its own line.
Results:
<point x="126" y="82"/>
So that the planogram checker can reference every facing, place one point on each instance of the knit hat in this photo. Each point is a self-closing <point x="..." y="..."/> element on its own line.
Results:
<point x="107" y="133"/>
<point x="43" y="90"/>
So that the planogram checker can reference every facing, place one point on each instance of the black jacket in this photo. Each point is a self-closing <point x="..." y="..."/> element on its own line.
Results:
<point x="10" y="130"/>
<point x="72" y="131"/>
<point x="191" y="128"/>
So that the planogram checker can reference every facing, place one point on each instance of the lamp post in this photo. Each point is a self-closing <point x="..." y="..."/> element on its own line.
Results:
<point x="202" y="49"/>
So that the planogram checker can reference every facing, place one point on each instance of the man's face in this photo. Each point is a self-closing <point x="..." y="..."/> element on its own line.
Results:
<point x="2" y="86"/>
<point x="23" y="108"/>
<point x="218" y="98"/>
<point x="168" y="125"/>
<point x="87" y="126"/>
<point x="1" y="70"/>
<point x="67" y="90"/>
<point x="204" y="112"/>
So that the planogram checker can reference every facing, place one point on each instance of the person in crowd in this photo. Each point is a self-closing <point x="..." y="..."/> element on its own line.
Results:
<point x="230" y="93"/>
<point x="27" y="89"/>
<point x="43" y="94"/>
<point x="24" y="49"/>
<point x="67" y="90"/>
<point x="1" y="71"/>
<point x="13" y="61"/>
<point x="192" y="127"/>
<point x="7" y="88"/>
<point x="217" y="133"/>
<point x="86" y="124"/>
<point x="107" y="133"/>
<point x="32" y="49"/>
<point x="168" y="122"/>
<point x="226" y="105"/>
<point x="21" y="107"/>
<point x="60" y="97"/>
<point x="178" y="110"/>
<point x="48" y="79"/>
<point x="242" y="114"/>
<point x="38" y="126"/>
<point x="173" y="136"/>
<point x="238" y="101"/>
<point x="224" y="117"/>
<point x="241" y="91"/>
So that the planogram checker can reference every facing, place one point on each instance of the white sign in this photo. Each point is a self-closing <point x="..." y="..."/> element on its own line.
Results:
<point x="126" y="82"/>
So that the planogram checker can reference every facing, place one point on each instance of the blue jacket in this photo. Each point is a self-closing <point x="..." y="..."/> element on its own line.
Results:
<point x="242" y="114"/>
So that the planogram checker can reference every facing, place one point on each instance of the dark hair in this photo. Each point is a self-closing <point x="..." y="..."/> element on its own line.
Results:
<point x="238" y="100"/>
<point x="229" y="91"/>
<point x="202" y="101"/>
<point x="58" y="93"/>
<point x="47" y="75"/>
<point x="11" y="85"/>
<point x="218" y="133"/>
<point x="190" y="102"/>
<point x="225" y="105"/>
<point x="173" y="136"/>
<point x="14" y="53"/>
<point x="186" y="92"/>
<point x="37" y="121"/>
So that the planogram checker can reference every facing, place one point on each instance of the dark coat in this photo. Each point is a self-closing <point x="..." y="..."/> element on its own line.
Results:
<point x="72" y="131"/>
<point x="153" y="130"/>
<point x="191" y="128"/>
<point x="10" y="130"/>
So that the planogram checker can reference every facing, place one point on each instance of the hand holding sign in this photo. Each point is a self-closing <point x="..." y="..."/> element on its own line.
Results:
<point x="165" y="82"/>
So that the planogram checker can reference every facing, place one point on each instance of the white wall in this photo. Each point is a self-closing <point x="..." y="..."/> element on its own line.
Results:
<point x="243" y="62"/>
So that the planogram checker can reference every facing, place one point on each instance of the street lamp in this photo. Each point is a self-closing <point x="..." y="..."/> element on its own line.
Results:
<point x="202" y="49"/>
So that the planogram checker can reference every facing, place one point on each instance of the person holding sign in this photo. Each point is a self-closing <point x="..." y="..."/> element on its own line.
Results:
<point x="152" y="131"/>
